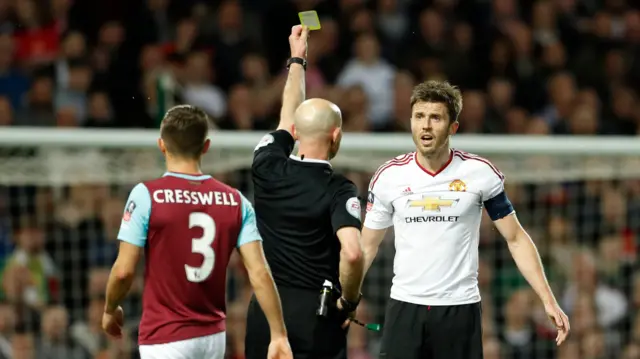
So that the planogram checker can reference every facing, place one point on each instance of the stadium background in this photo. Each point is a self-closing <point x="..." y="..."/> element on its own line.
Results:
<point x="528" y="67"/>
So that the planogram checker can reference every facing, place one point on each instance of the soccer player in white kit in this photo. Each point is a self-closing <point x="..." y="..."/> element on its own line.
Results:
<point x="434" y="199"/>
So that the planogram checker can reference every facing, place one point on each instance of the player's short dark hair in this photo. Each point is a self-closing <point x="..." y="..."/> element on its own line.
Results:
<point x="184" y="130"/>
<point x="440" y="92"/>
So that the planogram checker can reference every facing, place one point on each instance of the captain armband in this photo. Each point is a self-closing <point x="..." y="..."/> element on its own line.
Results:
<point x="499" y="206"/>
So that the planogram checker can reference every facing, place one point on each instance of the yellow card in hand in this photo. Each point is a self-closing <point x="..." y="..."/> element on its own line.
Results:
<point x="310" y="19"/>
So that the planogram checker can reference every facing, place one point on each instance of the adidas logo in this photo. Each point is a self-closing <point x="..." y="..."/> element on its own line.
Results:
<point x="407" y="191"/>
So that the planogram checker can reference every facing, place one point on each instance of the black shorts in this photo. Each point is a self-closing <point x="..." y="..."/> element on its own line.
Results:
<point x="310" y="336"/>
<point x="414" y="331"/>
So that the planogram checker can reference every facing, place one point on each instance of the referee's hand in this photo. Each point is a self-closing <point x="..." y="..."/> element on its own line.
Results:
<point x="298" y="41"/>
<point x="560" y="320"/>
<point x="349" y="316"/>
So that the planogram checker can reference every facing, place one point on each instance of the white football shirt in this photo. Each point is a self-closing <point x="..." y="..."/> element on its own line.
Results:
<point x="436" y="219"/>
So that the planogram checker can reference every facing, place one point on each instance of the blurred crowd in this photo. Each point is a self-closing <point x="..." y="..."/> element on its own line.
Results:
<point x="539" y="67"/>
<point x="525" y="67"/>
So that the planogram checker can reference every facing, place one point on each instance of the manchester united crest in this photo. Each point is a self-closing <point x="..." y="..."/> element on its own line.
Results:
<point x="457" y="186"/>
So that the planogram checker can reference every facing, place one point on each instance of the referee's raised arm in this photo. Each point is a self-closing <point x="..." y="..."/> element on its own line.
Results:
<point x="309" y="219"/>
<point x="275" y="147"/>
<point x="294" y="88"/>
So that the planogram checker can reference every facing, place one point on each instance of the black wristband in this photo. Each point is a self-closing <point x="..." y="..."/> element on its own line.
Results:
<point x="348" y="306"/>
<point x="297" y="60"/>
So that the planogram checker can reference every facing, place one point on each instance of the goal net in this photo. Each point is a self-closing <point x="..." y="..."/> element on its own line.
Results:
<point x="63" y="193"/>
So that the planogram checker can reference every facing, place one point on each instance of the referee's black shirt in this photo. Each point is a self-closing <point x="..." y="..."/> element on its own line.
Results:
<point x="300" y="205"/>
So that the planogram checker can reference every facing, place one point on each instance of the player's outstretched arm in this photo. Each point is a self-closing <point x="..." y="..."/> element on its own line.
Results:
<point x="264" y="287"/>
<point x="294" y="88"/>
<point x="527" y="259"/>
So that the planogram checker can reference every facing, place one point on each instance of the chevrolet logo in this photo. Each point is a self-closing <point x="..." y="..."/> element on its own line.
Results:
<point x="433" y="204"/>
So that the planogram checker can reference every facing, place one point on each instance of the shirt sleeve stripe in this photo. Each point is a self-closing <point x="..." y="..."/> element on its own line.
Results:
<point x="403" y="160"/>
<point x="468" y="156"/>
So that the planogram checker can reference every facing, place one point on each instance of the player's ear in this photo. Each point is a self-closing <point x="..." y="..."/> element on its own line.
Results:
<point x="453" y="128"/>
<point x="207" y="145"/>
<point x="161" y="146"/>
<point x="294" y="133"/>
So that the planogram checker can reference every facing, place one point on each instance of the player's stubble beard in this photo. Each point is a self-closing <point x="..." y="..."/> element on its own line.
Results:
<point x="440" y="145"/>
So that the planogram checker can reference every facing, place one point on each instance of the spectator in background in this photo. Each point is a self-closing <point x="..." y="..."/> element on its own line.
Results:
<point x="13" y="84"/>
<point x="621" y="119"/>
<point x="474" y="113"/>
<point x="562" y="92"/>
<point x="375" y="75"/>
<point x="518" y="331"/>
<point x="571" y="350"/>
<point x="392" y="21"/>
<point x="240" y="113"/>
<point x="88" y="332"/>
<point x="610" y="303"/>
<point x="37" y="39"/>
<point x="354" y="105"/>
<point x="100" y="113"/>
<point x="561" y="246"/>
<point x="74" y="97"/>
<point x="231" y="41"/>
<point x="631" y="351"/>
<point x="403" y="86"/>
<point x="119" y="349"/>
<point x="55" y="342"/>
<point x="198" y="88"/>
<point x="29" y="274"/>
<point x="593" y="345"/>
<point x="492" y="349"/>
<point x="104" y="249"/>
<point x="500" y="99"/>
<point x="23" y="345"/>
<point x="38" y="108"/>
<point x="74" y="48"/>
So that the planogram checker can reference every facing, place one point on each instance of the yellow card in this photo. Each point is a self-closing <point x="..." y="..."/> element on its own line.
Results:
<point x="310" y="19"/>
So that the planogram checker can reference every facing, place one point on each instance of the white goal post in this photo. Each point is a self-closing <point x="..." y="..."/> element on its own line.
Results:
<point x="45" y="156"/>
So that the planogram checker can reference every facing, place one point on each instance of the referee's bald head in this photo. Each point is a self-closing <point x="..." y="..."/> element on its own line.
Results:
<point x="319" y="122"/>
<point x="317" y="118"/>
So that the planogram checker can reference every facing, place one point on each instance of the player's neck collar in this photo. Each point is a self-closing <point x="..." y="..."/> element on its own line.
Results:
<point x="186" y="176"/>
<point x="310" y="160"/>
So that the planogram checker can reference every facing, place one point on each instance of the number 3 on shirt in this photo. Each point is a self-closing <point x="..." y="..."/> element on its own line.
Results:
<point x="202" y="246"/>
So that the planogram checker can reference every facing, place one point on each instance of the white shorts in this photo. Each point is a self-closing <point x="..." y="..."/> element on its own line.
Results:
<point x="209" y="347"/>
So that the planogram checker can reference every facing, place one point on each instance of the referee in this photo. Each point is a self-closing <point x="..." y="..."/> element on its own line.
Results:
<point x="309" y="219"/>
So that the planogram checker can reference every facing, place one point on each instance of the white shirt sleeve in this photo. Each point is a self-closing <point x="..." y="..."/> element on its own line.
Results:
<point x="493" y="182"/>
<point x="379" y="214"/>
<point x="494" y="199"/>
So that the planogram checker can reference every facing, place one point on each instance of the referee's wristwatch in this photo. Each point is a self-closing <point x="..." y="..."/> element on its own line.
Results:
<point x="297" y="60"/>
<point x="348" y="306"/>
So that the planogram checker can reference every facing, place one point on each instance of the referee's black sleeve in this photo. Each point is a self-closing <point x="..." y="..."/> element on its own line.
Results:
<point x="273" y="148"/>
<point x="345" y="208"/>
